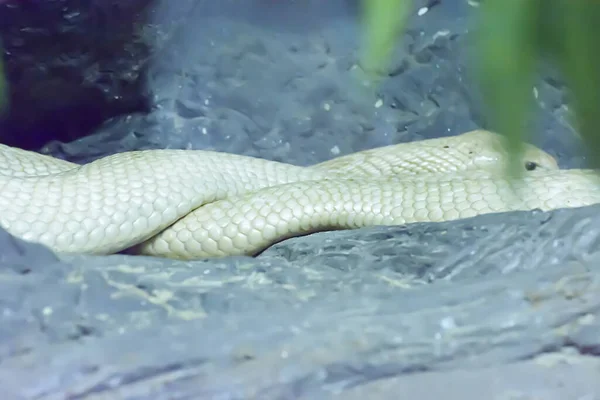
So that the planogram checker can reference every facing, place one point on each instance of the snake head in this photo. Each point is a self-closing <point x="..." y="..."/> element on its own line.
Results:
<point x="487" y="152"/>
<point x="535" y="158"/>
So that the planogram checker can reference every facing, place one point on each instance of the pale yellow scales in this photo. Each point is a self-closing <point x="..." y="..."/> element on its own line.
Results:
<point x="194" y="204"/>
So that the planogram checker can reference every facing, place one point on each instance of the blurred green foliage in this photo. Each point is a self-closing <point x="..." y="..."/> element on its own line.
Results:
<point x="512" y="37"/>
<point x="383" y="22"/>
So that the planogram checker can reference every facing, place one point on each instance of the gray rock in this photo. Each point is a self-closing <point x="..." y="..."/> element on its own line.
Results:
<point x="496" y="306"/>
<point x="482" y="246"/>
<point x="242" y="328"/>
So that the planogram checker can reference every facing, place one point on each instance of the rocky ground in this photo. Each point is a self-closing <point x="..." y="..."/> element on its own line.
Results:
<point x="503" y="306"/>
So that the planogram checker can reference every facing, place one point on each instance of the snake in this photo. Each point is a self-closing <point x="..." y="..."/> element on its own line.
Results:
<point x="195" y="204"/>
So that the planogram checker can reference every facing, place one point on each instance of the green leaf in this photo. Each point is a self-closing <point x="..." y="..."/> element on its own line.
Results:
<point x="383" y="22"/>
<point x="506" y="51"/>
<point x="578" y="57"/>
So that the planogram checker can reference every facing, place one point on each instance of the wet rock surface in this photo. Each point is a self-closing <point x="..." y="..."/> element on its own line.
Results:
<point x="496" y="306"/>
<point x="71" y="65"/>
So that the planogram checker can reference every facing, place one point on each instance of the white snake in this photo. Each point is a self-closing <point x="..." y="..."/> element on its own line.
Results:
<point x="194" y="204"/>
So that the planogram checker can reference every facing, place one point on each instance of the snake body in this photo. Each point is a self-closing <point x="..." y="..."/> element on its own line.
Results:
<point x="194" y="203"/>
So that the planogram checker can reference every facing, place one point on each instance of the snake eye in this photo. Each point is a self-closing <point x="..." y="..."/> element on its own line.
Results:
<point x="530" y="165"/>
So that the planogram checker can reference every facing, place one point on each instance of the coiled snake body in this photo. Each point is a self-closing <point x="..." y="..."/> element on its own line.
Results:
<point x="193" y="204"/>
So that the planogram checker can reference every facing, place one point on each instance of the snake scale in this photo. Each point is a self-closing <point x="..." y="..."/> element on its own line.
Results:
<point x="191" y="204"/>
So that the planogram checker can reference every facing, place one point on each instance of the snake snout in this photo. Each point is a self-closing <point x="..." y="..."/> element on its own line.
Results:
<point x="535" y="158"/>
